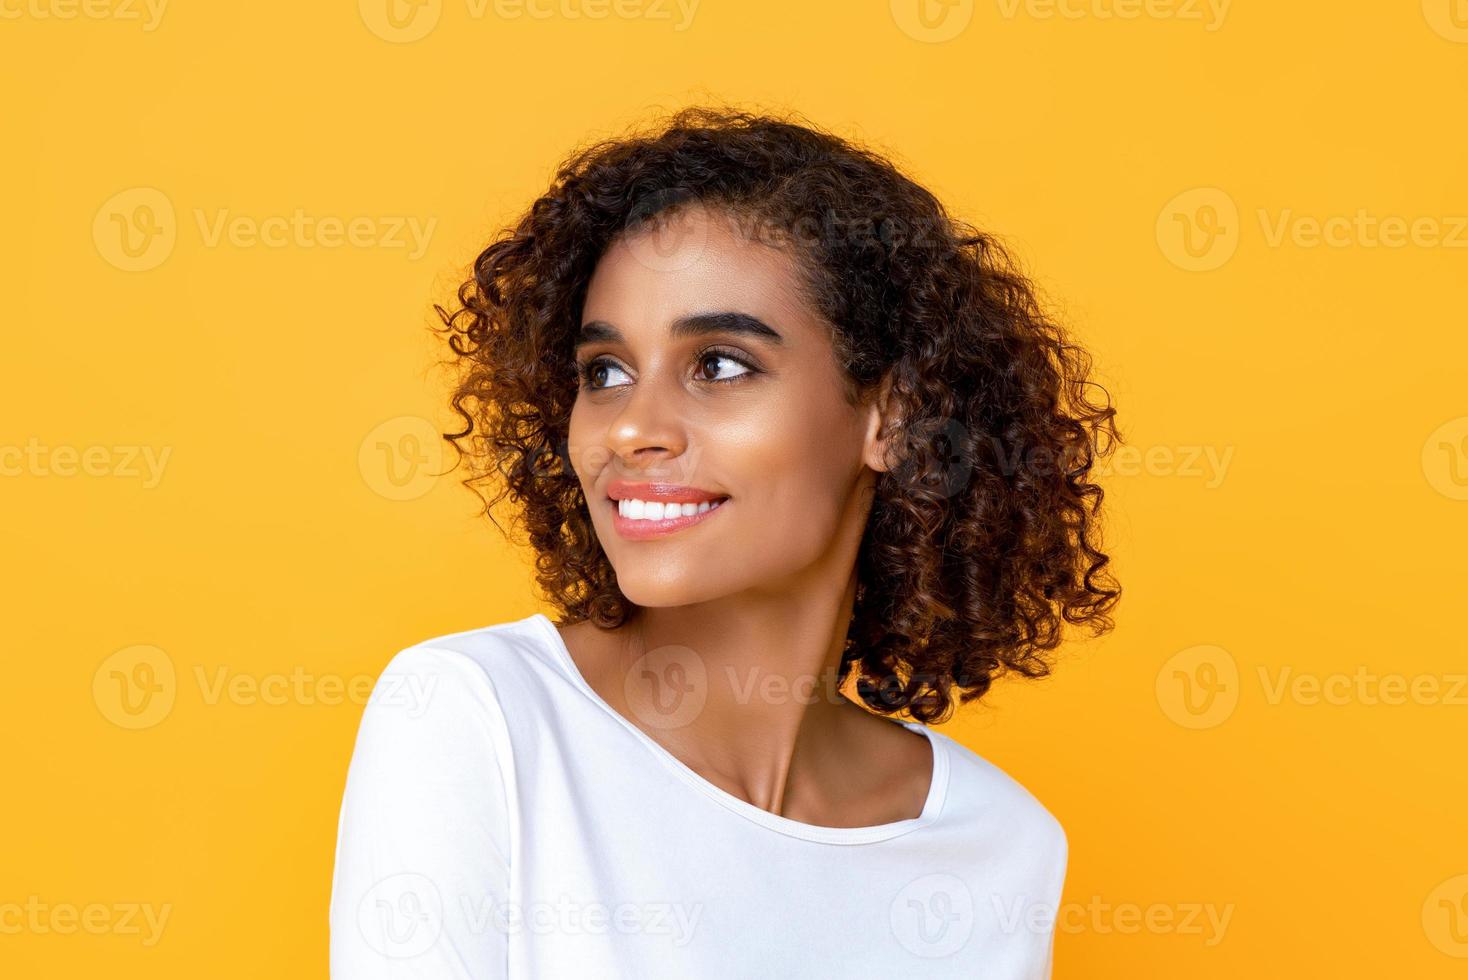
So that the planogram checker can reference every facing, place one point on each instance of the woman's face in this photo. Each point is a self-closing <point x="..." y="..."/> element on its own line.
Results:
<point x="709" y="381"/>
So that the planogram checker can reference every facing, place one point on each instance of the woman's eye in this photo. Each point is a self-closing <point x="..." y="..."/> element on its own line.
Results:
<point x="599" y="374"/>
<point x="728" y="362"/>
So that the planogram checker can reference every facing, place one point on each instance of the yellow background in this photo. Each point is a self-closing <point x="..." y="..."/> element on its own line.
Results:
<point x="1140" y="158"/>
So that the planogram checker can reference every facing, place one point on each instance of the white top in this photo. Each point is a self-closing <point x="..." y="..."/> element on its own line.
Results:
<point x="501" y="819"/>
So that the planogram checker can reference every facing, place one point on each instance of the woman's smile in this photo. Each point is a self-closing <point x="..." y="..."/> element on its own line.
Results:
<point x="647" y="510"/>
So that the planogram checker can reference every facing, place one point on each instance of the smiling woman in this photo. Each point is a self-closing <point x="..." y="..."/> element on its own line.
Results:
<point x="797" y="452"/>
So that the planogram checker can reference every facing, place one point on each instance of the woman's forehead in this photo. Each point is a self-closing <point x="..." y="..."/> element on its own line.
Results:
<point x="647" y="284"/>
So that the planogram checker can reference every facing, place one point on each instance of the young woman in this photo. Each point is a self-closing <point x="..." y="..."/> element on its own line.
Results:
<point x="796" y="452"/>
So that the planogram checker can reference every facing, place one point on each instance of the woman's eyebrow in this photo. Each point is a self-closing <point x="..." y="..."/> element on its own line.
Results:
<point x="695" y="324"/>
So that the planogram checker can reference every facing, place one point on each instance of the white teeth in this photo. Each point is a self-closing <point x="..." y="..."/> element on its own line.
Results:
<point x="657" y="510"/>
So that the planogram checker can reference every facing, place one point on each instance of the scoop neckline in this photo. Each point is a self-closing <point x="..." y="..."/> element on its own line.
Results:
<point x="932" y="804"/>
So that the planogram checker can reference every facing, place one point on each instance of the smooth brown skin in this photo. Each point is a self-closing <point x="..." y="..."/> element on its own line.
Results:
<point x="764" y="588"/>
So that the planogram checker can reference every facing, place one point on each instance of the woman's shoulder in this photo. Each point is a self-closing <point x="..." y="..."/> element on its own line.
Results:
<point x="475" y="672"/>
<point x="978" y="788"/>
<point x="504" y="652"/>
<point x="473" y="693"/>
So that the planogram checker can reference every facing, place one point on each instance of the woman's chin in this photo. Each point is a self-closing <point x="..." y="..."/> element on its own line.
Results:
<point x="660" y="590"/>
<point x="659" y="596"/>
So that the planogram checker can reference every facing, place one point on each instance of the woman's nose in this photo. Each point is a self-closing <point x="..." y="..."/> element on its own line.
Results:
<point x="649" y="428"/>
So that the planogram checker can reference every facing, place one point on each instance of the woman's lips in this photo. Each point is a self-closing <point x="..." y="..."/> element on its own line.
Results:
<point x="637" y="529"/>
<point x="660" y="492"/>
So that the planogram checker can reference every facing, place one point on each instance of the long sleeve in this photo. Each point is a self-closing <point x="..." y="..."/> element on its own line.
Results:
<point x="421" y="872"/>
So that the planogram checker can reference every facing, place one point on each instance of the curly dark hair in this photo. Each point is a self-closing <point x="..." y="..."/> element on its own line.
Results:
<point x="984" y="535"/>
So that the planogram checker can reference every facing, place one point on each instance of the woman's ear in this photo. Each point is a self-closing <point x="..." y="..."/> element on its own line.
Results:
<point x="882" y="422"/>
